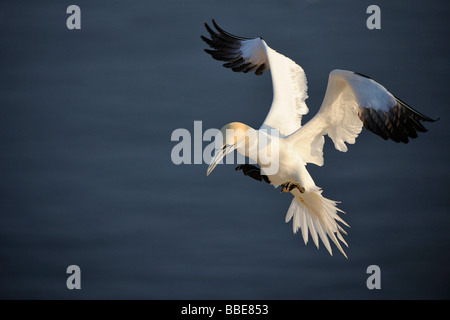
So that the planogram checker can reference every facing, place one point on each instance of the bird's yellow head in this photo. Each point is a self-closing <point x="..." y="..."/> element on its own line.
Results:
<point x="232" y="136"/>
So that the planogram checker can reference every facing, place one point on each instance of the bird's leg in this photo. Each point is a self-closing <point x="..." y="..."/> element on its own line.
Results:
<point x="289" y="185"/>
<point x="252" y="172"/>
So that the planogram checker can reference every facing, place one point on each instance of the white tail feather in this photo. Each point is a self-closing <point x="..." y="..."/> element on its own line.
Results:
<point x="311" y="211"/>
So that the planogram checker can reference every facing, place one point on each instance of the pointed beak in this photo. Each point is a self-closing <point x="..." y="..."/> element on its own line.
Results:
<point x="220" y="154"/>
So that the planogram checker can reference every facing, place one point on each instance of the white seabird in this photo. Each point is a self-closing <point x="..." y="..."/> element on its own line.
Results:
<point x="351" y="101"/>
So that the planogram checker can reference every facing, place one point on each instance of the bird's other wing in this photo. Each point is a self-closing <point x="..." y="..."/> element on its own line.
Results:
<point x="352" y="101"/>
<point x="253" y="54"/>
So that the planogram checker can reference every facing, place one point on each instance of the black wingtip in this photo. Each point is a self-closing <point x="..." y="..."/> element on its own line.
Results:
<point x="362" y="75"/>
<point x="208" y="28"/>
<point x="227" y="47"/>
<point x="421" y="115"/>
<point x="226" y="33"/>
<point x="401" y="102"/>
<point x="399" y="124"/>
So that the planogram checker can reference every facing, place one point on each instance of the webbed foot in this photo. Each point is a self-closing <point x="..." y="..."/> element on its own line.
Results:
<point x="252" y="172"/>
<point x="290" y="185"/>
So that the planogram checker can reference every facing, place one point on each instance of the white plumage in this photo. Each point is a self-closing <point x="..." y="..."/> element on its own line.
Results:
<point x="351" y="101"/>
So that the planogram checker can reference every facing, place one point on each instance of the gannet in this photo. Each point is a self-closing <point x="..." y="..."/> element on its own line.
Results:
<point x="351" y="101"/>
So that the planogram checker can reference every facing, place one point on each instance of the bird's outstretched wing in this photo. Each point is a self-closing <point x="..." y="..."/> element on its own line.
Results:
<point x="352" y="101"/>
<point x="253" y="54"/>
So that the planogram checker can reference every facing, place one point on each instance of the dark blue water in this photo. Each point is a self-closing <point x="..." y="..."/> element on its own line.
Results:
<point x="86" y="176"/>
